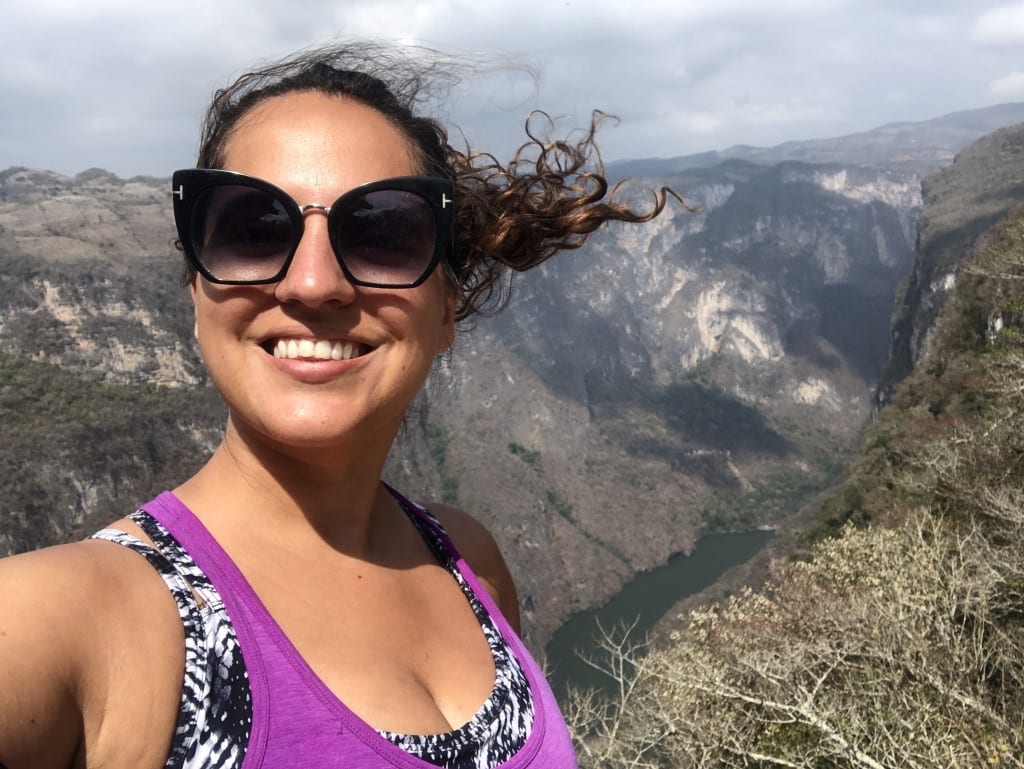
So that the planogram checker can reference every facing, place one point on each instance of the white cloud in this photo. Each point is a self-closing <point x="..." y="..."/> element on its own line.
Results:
<point x="702" y="124"/>
<point x="121" y="84"/>
<point x="1010" y="87"/>
<point x="1000" y="26"/>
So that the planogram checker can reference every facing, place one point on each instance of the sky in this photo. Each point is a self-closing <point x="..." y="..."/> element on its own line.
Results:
<point x="122" y="84"/>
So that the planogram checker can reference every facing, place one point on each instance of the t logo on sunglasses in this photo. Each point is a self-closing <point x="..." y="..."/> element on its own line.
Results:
<point x="241" y="230"/>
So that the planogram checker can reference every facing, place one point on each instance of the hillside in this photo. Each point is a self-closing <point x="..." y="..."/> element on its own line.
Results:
<point x="896" y="638"/>
<point x="963" y="202"/>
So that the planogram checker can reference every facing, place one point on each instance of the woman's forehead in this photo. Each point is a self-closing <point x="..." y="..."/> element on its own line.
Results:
<point x="315" y="132"/>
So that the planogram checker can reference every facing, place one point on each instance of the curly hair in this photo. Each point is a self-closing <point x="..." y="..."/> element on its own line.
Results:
<point x="551" y="196"/>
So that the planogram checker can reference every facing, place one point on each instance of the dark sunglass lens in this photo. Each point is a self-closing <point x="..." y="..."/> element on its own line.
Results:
<point x="385" y="236"/>
<point x="240" y="233"/>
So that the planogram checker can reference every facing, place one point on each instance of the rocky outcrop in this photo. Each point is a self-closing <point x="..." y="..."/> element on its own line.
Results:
<point x="962" y="203"/>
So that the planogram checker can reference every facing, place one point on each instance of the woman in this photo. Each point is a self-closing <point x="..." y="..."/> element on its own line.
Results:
<point x="333" y="239"/>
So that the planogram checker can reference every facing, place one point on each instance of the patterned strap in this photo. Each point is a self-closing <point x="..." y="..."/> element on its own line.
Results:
<point x="195" y="638"/>
<point x="215" y="715"/>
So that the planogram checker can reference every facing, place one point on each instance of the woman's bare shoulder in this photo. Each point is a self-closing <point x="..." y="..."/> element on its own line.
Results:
<point x="480" y="550"/>
<point x="62" y="596"/>
<point x="67" y="573"/>
<point x="55" y="579"/>
<point x="65" y="611"/>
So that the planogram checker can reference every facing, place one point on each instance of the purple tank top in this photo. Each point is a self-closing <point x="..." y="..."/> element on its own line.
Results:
<point x="295" y="719"/>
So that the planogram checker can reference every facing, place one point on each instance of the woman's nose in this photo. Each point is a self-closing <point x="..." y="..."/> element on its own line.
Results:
<point x="315" y="275"/>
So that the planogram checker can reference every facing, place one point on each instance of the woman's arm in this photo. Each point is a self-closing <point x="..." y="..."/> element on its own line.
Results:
<point x="42" y="639"/>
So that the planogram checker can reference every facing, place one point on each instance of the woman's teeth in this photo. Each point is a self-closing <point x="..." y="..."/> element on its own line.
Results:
<point x="320" y="349"/>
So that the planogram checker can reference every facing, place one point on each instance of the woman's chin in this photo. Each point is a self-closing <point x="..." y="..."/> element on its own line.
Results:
<point x="321" y="428"/>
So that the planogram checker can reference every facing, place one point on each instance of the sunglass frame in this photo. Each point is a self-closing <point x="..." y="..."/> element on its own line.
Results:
<point x="188" y="184"/>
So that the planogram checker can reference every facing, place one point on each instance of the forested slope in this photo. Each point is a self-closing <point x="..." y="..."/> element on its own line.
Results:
<point x="897" y="638"/>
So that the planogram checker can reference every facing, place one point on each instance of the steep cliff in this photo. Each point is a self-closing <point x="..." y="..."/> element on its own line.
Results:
<point x="963" y="202"/>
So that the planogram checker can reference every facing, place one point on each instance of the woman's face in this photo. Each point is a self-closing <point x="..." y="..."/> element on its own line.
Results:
<point x="263" y="344"/>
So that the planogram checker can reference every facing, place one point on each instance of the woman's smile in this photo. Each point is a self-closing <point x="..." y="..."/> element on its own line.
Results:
<point x="316" y="361"/>
<point x="316" y="358"/>
<point x="316" y="349"/>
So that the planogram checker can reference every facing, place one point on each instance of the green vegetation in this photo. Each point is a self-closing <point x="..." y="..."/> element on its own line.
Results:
<point x="530" y="457"/>
<point x="772" y="499"/>
<point x="561" y="507"/>
<point x="38" y="398"/>
<point x="120" y="443"/>
<point x="897" y="639"/>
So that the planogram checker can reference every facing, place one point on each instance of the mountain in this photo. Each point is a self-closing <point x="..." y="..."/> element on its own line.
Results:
<point x="709" y="371"/>
<point x="896" y="638"/>
<point x="923" y="147"/>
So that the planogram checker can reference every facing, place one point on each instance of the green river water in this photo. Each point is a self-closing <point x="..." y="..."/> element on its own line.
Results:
<point x="644" y="601"/>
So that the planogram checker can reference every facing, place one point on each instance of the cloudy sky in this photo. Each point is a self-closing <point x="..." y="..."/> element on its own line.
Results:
<point x="120" y="84"/>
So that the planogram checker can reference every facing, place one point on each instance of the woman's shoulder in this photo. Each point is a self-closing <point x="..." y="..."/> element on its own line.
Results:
<point x="58" y="579"/>
<point x="65" y="612"/>
<point x="72" y="571"/>
<point x="480" y="550"/>
<point x="48" y="596"/>
<point x="76" y="595"/>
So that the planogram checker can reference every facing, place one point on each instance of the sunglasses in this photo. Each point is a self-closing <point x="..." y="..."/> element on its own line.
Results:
<point x="240" y="230"/>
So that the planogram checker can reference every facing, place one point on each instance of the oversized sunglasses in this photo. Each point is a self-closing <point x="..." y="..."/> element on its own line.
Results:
<point x="240" y="230"/>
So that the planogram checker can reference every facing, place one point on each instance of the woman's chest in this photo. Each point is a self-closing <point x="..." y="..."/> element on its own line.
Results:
<point x="403" y="651"/>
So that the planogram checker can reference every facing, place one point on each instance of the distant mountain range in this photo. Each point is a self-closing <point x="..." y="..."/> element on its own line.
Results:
<point x="710" y="371"/>
<point x="921" y="147"/>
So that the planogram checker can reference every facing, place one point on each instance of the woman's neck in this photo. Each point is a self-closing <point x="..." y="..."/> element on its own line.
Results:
<point x="318" y="495"/>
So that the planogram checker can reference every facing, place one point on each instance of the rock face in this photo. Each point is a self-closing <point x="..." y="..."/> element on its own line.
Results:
<point x="963" y="202"/>
<point x="90" y="279"/>
<point x="709" y="370"/>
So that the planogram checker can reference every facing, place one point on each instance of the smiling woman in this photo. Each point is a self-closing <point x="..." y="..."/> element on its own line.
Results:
<point x="284" y="606"/>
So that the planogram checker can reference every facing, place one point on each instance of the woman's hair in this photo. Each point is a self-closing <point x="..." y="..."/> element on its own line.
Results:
<point x="551" y="196"/>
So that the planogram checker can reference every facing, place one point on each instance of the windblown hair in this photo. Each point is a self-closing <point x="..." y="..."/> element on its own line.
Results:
<point x="551" y="196"/>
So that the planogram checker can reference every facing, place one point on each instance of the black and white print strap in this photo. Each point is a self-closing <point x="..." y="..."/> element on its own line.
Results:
<point x="215" y="715"/>
<point x="503" y="723"/>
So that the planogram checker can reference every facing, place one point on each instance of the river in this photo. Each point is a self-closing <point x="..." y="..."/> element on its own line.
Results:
<point x="645" y="600"/>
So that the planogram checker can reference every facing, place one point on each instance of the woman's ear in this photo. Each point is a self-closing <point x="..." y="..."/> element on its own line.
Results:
<point x="451" y="300"/>
<point x="192" y="288"/>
